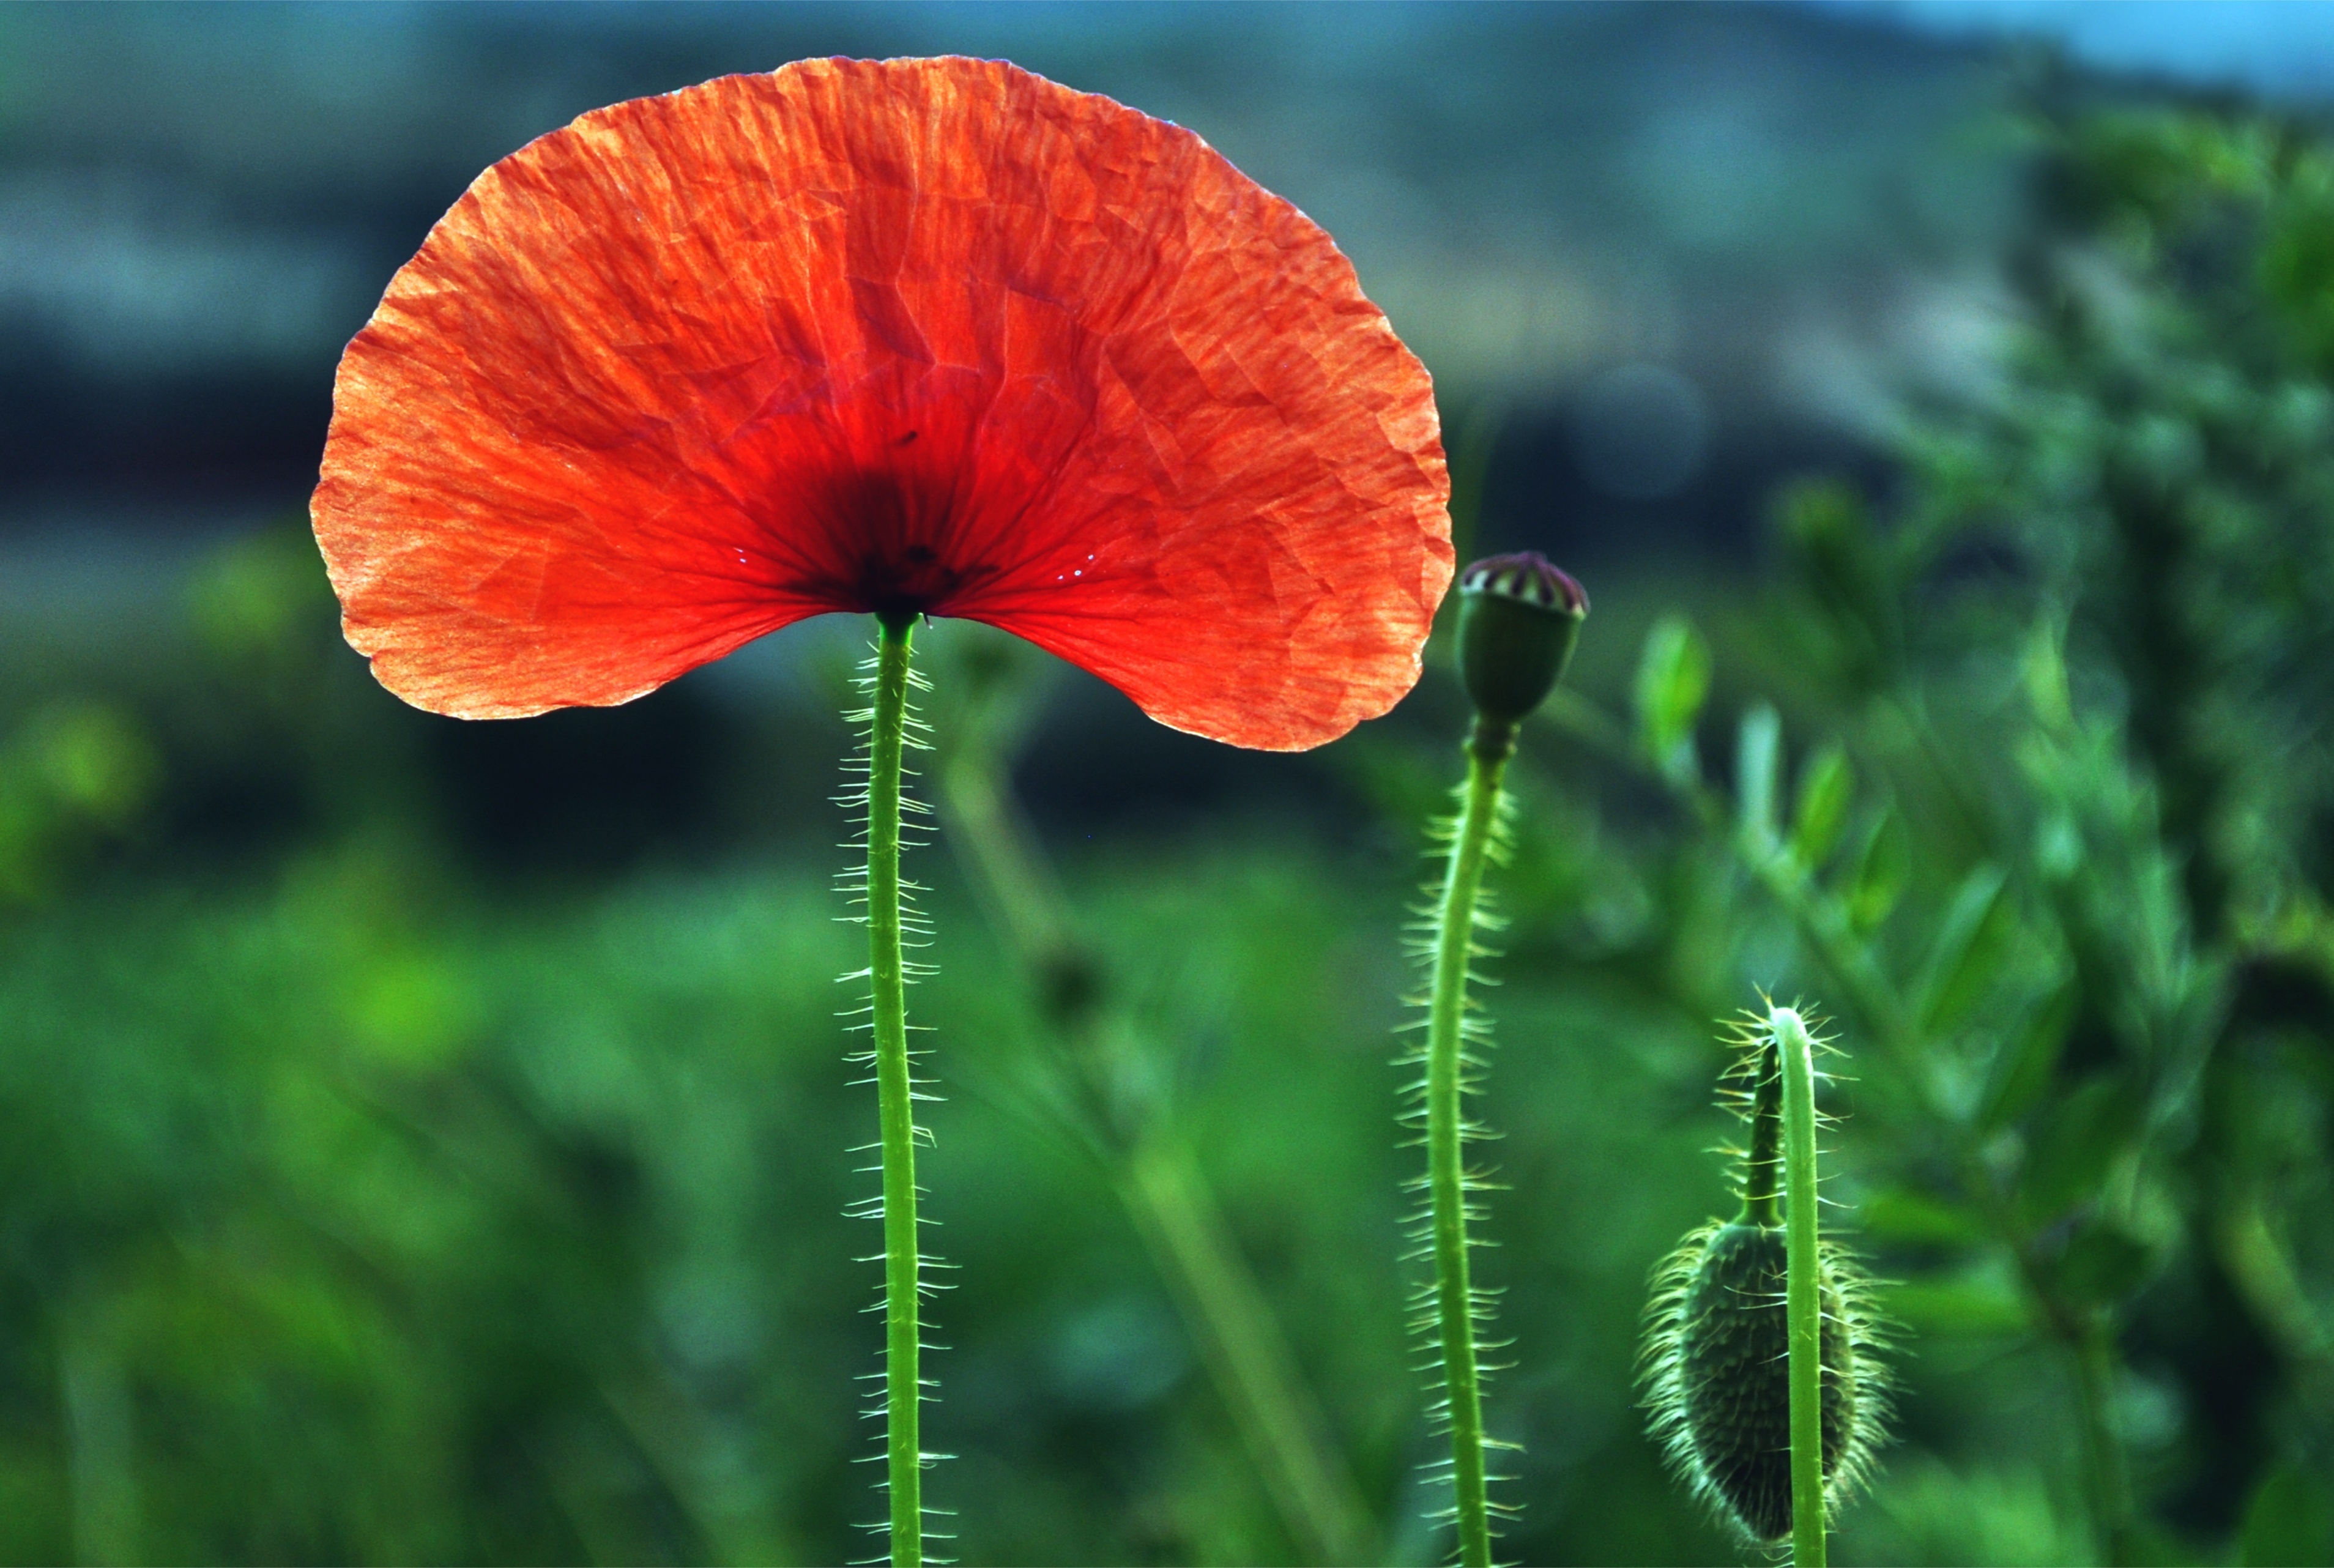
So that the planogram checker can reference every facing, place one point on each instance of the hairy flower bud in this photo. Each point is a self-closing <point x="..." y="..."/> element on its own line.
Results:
<point x="1518" y="619"/>
<point x="1716" y="1368"/>
<point x="1722" y="1382"/>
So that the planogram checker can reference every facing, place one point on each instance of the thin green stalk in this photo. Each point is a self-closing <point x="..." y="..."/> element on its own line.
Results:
<point x="887" y="987"/>
<point x="1167" y="1195"/>
<point x="101" y="1446"/>
<point x="1803" y="1300"/>
<point x="1246" y="1356"/>
<point x="1455" y="1304"/>
<point x="2103" y="1455"/>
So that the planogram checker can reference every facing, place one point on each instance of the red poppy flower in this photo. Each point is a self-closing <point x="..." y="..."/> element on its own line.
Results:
<point x="932" y="336"/>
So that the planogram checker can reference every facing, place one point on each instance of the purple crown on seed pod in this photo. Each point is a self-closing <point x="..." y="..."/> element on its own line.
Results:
<point x="1528" y="578"/>
<point x="1518" y="617"/>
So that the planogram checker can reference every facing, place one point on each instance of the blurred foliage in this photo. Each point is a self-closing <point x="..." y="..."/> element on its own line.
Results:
<point x="403" y="1157"/>
<point x="2058" y="842"/>
<point x="72" y="774"/>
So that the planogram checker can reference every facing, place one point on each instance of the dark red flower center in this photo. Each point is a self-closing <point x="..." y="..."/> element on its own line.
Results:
<point x="890" y="545"/>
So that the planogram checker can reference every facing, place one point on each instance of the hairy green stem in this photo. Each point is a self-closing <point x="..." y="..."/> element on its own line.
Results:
<point x="1446" y="1134"/>
<point x="887" y="986"/>
<point x="1803" y="1299"/>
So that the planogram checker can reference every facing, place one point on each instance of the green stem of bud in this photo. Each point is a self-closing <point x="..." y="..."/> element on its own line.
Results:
<point x="1518" y="617"/>
<point x="1803" y="1300"/>
<point x="1492" y="741"/>
<point x="1447" y="1131"/>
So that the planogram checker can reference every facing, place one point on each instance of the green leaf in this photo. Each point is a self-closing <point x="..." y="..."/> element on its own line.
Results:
<point x="94" y="759"/>
<point x="1471" y="465"/>
<point x="2102" y="1265"/>
<point x="2076" y="1142"/>
<point x="1834" y="549"/>
<point x="2289" y="1524"/>
<point x="261" y="595"/>
<point x="2022" y="1067"/>
<point x="1673" y="682"/>
<point x="1882" y="867"/>
<point x="414" y="1010"/>
<point x="1758" y="763"/>
<point x="2042" y="670"/>
<point x="1962" y="956"/>
<point x="1977" y="1303"/>
<point x="1899" y="1214"/>
<point x="1819" y="814"/>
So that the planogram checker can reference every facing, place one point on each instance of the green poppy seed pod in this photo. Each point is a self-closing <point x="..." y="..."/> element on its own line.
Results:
<point x="1518" y="619"/>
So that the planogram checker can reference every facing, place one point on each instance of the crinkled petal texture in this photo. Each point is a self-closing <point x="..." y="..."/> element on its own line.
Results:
<point x="929" y="336"/>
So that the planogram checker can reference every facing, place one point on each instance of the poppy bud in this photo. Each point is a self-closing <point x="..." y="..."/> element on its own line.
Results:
<point x="1716" y="1364"/>
<point x="1722" y="1380"/>
<point x="1518" y="617"/>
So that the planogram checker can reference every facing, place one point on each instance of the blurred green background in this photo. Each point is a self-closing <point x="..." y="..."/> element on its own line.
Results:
<point x="424" y="1141"/>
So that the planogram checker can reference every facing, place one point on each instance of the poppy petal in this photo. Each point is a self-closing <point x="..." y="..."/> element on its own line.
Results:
<point x="919" y="335"/>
